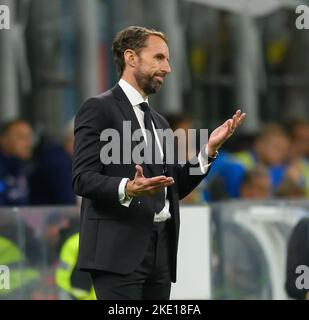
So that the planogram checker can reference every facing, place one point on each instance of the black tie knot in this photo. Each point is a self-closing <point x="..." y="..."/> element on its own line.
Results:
<point x="145" y="107"/>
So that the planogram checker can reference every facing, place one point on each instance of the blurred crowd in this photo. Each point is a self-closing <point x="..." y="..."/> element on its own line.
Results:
<point x="35" y="174"/>
<point x="272" y="164"/>
<point x="39" y="174"/>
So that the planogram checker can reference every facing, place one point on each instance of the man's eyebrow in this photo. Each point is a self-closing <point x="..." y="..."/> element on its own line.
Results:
<point x="161" y="55"/>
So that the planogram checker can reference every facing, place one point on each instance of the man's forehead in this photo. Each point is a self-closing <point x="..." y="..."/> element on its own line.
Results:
<point x="156" y="43"/>
<point x="18" y="126"/>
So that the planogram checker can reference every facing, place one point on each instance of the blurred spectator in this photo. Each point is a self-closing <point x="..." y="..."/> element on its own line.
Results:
<point x="299" y="132"/>
<point x="270" y="149"/>
<point x="224" y="178"/>
<point x="299" y="155"/>
<point x="256" y="184"/>
<point x="20" y="253"/>
<point x="293" y="183"/>
<point x="15" y="148"/>
<point x="54" y="225"/>
<point x="75" y="284"/>
<point x="52" y="176"/>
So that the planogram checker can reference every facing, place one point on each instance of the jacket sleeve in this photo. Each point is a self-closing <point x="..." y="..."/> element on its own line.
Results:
<point x="88" y="178"/>
<point x="188" y="177"/>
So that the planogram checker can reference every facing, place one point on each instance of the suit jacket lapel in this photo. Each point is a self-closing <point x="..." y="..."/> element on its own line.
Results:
<point x="129" y="115"/>
<point x="126" y="109"/>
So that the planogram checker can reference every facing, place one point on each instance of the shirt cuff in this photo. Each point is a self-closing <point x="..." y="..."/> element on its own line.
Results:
<point x="122" y="195"/>
<point x="204" y="163"/>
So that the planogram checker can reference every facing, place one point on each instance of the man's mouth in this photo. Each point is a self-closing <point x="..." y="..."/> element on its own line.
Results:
<point x="160" y="78"/>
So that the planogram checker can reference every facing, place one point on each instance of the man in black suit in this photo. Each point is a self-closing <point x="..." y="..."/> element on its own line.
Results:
<point x="130" y="210"/>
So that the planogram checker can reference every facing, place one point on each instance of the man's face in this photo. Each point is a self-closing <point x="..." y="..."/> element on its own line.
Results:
<point x="273" y="150"/>
<point x="152" y="65"/>
<point x="17" y="141"/>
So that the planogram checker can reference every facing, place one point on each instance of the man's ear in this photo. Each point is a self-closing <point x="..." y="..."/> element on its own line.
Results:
<point x="130" y="58"/>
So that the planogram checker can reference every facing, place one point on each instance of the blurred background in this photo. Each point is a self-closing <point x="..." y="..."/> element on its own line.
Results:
<point x="253" y="209"/>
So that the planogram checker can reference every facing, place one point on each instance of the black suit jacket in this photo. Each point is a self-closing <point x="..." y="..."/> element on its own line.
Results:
<point x="113" y="237"/>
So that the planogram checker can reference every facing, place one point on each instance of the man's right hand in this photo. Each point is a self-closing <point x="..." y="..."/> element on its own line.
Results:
<point x="142" y="186"/>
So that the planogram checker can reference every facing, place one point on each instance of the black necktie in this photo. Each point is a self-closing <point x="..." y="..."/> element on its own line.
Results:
<point x="152" y="149"/>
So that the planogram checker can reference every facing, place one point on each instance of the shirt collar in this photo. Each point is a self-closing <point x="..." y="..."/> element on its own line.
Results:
<point x="132" y="94"/>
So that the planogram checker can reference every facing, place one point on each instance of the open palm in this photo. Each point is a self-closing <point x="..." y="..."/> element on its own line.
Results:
<point x="222" y="133"/>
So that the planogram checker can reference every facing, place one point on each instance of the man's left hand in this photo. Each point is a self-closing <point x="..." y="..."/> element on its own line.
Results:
<point x="222" y="133"/>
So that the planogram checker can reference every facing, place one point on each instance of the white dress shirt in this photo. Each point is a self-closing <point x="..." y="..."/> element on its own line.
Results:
<point x="136" y="99"/>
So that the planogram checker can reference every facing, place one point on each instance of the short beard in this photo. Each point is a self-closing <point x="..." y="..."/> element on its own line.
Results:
<point x="147" y="83"/>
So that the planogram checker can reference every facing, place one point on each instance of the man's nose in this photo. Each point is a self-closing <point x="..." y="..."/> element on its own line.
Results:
<point x="166" y="68"/>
